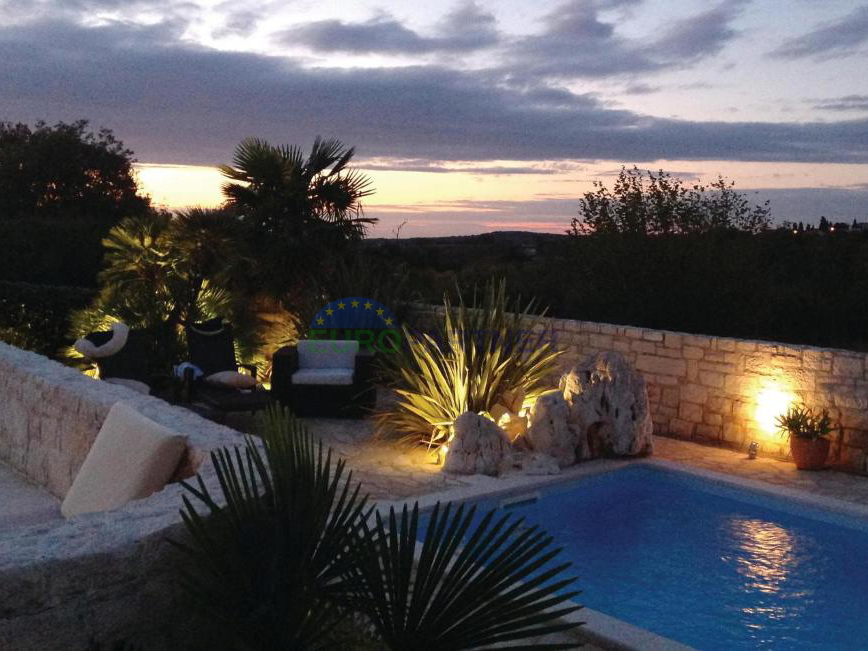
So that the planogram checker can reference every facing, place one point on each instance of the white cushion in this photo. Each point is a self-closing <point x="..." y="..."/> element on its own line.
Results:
<point x="135" y="385"/>
<point x="335" y="376"/>
<point x="131" y="458"/>
<point x="324" y="353"/>
<point x="231" y="380"/>
<point x="86" y="348"/>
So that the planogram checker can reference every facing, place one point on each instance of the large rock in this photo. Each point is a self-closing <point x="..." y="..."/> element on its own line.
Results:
<point x="608" y="406"/>
<point x="549" y="432"/>
<point x="478" y="446"/>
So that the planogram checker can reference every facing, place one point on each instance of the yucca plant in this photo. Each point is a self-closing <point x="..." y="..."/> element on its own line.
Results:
<point x="469" y="586"/>
<point x="267" y="564"/>
<point x="484" y="351"/>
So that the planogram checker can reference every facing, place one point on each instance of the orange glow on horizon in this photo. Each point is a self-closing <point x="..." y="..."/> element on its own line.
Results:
<point x="489" y="196"/>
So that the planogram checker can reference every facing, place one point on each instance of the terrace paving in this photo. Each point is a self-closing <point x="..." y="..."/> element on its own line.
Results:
<point x="391" y="471"/>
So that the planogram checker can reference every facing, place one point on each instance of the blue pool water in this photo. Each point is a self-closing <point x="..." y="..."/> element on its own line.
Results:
<point x="708" y="565"/>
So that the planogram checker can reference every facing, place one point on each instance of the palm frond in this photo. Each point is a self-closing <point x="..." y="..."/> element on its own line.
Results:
<point x="472" y="582"/>
<point x="267" y="555"/>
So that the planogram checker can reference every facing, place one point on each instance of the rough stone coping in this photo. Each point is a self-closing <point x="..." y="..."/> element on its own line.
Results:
<point x="110" y="532"/>
<point x="600" y="629"/>
<point x="575" y="325"/>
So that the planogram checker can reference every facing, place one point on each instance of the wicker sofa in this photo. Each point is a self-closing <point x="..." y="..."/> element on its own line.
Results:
<point x="327" y="378"/>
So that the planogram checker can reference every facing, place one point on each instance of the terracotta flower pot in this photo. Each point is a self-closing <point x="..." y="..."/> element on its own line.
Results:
<point x="809" y="454"/>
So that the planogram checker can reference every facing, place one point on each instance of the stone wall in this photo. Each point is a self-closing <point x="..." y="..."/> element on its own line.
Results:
<point x="102" y="576"/>
<point x="729" y="391"/>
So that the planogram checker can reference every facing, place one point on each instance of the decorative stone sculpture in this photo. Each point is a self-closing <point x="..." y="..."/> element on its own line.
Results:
<point x="478" y="446"/>
<point x="549" y="431"/>
<point x="608" y="406"/>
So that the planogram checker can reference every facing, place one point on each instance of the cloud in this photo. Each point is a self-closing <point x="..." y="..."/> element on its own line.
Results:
<point x="579" y="41"/>
<point x="697" y="37"/>
<point x="440" y="167"/>
<point x="177" y="103"/>
<point x="846" y="103"/>
<point x="465" y="29"/>
<point x="641" y="89"/>
<point x="835" y="39"/>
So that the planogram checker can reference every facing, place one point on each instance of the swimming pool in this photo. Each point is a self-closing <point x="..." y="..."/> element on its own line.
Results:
<point x="709" y="565"/>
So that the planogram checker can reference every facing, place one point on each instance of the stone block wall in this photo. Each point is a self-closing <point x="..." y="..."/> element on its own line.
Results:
<point x="729" y="391"/>
<point x="98" y="577"/>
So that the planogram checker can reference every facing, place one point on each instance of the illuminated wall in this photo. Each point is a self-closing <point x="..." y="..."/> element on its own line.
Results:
<point x="729" y="390"/>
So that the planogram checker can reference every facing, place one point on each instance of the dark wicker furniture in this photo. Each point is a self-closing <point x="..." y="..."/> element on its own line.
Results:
<point x="212" y="349"/>
<point x="325" y="400"/>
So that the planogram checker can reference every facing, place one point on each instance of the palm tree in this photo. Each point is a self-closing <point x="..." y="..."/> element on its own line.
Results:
<point x="278" y="188"/>
<point x="164" y="271"/>
<point x="289" y="549"/>
<point x="296" y="208"/>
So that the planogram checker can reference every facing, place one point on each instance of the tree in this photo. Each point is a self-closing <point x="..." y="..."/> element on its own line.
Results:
<point x="163" y="272"/>
<point x="645" y="203"/>
<point x="66" y="171"/>
<point x="295" y="209"/>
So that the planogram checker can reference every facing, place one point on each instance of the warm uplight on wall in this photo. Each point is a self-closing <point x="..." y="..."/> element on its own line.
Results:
<point x="771" y="402"/>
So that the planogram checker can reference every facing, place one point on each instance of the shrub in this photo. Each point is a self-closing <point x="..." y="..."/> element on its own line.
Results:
<point x="803" y="422"/>
<point x="36" y="317"/>
<point x="482" y="353"/>
<point x="664" y="205"/>
<point x="52" y="251"/>
<point x="284" y="558"/>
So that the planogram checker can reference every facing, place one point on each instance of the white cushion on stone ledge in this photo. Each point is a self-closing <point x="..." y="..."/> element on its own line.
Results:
<point x="331" y="376"/>
<point x="135" y="385"/>
<point x="131" y="458"/>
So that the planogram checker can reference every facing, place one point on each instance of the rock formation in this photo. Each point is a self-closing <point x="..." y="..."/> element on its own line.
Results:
<point x="478" y="446"/>
<point x="549" y="432"/>
<point x="608" y="407"/>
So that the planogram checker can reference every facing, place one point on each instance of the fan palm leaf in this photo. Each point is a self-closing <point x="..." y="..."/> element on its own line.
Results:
<point x="472" y="582"/>
<point x="267" y="555"/>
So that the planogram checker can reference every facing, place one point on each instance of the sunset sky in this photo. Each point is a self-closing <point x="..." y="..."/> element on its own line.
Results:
<point x="468" y="116"/>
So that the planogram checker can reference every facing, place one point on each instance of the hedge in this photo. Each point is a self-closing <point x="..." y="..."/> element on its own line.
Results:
<point x="52" y="251"/>
<point x="36" y="317"/>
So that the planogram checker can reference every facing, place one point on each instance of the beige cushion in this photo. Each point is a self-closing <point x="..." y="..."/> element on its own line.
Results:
<point x="332" y="376"/>
<point x="131" y="458"/>
<point x="135" y="385"/>
<point x="232" y="380"/>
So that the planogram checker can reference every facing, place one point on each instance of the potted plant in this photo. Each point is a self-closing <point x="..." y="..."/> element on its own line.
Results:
<point x="808" y="432"/>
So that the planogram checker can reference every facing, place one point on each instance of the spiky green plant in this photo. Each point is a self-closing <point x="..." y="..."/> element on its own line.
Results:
<point x="266" y="561"/>
<point x="287" y="556"/>
<point x="483" y="352"/>
<point x="470" y="585"/>
<point x="800" y="421"/>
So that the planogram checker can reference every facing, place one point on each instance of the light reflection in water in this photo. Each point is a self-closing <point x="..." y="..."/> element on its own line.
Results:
<point x="767" y="554"/>
<point x="767" y="558"/>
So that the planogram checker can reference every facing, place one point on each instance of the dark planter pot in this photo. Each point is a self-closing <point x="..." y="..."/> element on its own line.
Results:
<point x="809" y="454"/>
